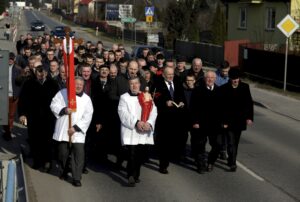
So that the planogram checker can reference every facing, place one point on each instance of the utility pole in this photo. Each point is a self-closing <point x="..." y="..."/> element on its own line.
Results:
<point x="96" y="10"/>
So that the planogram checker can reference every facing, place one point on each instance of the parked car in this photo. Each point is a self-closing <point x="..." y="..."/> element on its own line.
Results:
<point x="59" y="32"/>
<point x="138" y="50"/>
<point x="37" y="26"/>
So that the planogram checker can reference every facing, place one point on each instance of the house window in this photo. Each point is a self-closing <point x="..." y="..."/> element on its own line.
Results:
<point x="270" y="18"/>
<point x="243" y="18"/>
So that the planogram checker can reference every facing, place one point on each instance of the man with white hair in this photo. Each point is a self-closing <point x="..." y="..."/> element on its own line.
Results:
<point x="206" y="120"/>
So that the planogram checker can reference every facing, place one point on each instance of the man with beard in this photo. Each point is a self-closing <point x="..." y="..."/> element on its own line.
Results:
<point x="34" y="111"/>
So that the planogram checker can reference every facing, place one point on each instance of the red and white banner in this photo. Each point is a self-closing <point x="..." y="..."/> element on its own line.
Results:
<point x="68" y="56"/>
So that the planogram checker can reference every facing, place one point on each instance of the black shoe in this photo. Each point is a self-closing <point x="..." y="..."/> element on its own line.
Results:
<point x="46" y="168"/>
<point x="7" y="136"/>
<point x="163" y="171"/>
<point x="233" y="168"/>
<point x="76" y="183"/>
<point x="223" y="155"/>
<point x="85" y="171"/>
<point x="131" y="181"/>
<point x="63" y="176"/>
<point x="36" y="166"/>
<point x="210" y="167"/>
<point x="201" y="169"/>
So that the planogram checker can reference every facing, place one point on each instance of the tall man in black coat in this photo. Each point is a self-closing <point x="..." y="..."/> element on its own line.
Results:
<point x="237" y="114"/>
<point x="169" y="123"/>
<point x="206" y="120"/>
<point x="34" y="111"/>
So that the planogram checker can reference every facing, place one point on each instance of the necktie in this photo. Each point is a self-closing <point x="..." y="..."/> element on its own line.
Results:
<point x="171" y="89"/>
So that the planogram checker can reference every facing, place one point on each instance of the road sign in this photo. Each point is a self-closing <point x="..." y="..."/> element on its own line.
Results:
<point x="149" y="18"/>
<point x="149" y="11"/>
<point x="288" y="26"/>
<point x="125" y="10"/>
<point x="128" y="20"/>
<point x="152" y="38"/>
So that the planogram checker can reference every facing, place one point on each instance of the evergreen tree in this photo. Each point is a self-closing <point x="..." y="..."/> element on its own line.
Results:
<point x="3" y="5"/>
<point x="219" y="32"/>
<point x="180" y="19"/>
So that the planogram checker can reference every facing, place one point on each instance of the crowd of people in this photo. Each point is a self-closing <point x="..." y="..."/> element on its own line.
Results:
<point x="124" y="105"/>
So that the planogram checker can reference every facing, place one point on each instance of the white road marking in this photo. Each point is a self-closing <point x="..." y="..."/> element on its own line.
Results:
<point x="250" y="172"/>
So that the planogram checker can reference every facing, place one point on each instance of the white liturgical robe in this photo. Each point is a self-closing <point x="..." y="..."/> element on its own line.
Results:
<point x="130" y="111"/>
<point x="81" y="118"/>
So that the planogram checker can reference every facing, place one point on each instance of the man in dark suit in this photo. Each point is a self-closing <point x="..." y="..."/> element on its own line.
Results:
<point x="206" y="120"/>
<point x="169" y="129"/>
<point x="34" y="111"/>
<point x="237" y="114"/>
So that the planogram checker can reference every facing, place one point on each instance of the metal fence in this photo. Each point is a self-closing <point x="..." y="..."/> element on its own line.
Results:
<point x="13" y="181"/>
<point x="210" y="54"/>
<point x="268" y="65"/>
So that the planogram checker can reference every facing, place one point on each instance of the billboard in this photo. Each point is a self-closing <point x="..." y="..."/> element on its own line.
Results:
<point x="112" y="12"/>
<point x="117" y="11"/>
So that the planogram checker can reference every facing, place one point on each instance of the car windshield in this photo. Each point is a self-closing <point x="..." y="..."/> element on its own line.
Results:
<point x="59" y="29"/>
<point x="37" y="23"/>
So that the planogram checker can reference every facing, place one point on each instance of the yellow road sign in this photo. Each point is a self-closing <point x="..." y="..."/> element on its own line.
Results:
<point x="288" y="26"/>
<point x="149" y="18"/>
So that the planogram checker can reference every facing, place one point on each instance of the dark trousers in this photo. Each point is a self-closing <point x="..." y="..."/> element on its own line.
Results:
<point x="171" y="143"/>
<point x="41" y="145"/>
<point x="76" y="151"/>
<point x="136" y="156"/>
<point x="198" y="142"/>
<point x="233" y="139"/>
<point x="224" y="140"/>
<point x="216" y="146"/>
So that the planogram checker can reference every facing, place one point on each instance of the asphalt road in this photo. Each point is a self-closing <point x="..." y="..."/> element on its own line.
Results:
<point x="268" y="169"/>
<point x="80" y="32"/>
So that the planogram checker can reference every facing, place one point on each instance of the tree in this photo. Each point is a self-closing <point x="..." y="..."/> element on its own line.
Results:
<point x="219" y="33"/>
<point x="3" y="5"/>
<point x="180" y="19"/>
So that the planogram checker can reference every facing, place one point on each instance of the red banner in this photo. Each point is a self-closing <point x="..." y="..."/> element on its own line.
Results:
<point x="68" y="50"/>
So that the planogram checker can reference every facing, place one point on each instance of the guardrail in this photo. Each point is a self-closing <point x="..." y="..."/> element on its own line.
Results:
<point x="10" y="194"/>
<point x="13" y="181"/>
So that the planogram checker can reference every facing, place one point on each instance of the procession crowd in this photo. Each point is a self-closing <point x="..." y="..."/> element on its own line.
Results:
<point x="124" y="105"/>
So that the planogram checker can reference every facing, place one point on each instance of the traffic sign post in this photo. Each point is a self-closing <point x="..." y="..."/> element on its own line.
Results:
<point x="287" y="26"/>
<point x="128" y="20"/>
<point x="149" y="18"/>
<point x="149" y="13"/>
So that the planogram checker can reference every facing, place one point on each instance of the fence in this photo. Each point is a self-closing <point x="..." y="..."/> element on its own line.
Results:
<point x="13" y="181"/>
<point x="210" y="54"/>
<point x="269" y="65"/>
